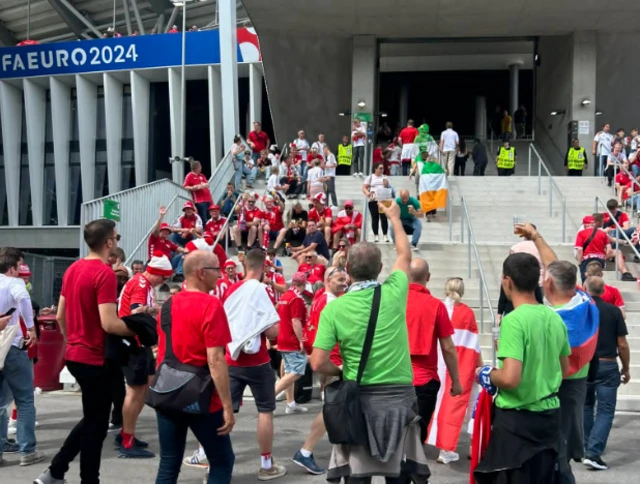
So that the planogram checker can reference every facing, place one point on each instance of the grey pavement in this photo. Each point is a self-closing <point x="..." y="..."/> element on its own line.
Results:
<point x="57" y="413"/>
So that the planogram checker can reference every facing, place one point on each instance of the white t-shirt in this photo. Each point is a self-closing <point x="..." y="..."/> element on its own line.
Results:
<point x="330" y="165"/>
<point x="394" y="154"/>
<point x="449" y="140"/>
<point x="375" y="183"/>
<point x="359" y="141"/>
<point x="14" y="294"/>
<point x="634" y="143"/>
<point x="314" y="175"/>
<point x="303" y="147"/>
<point x="603" y="139"/>
<point x="273" y="182"/>
<point x="274" y="159"/>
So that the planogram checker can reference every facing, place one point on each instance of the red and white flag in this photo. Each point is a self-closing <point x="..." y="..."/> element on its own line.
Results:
<point x="450" y="412"/>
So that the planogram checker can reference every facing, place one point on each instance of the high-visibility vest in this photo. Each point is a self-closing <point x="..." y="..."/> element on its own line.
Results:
<point x="507" y="158"/>
<point x="345" y="153"/>
<point x="576" y="159"/>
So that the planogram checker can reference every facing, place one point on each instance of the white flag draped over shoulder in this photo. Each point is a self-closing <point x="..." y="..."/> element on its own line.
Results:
<point x="450" y="412"/>
<point x="433" y="187"/>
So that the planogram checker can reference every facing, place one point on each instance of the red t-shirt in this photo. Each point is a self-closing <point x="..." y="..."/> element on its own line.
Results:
<point x="291" y="306"/>
<point x="260" y="141"/>
<point x="86" y="284"/>
<point x="163" y="245"/>
<point x="198" y="322"/>
<point x="214" y="227"/>
<point x="377" y="155"/>
<point x="311" y="329"/>
<point x="622" y="219"/>
<point x="612" y="295"/>
<point x="314" y="273"/>
<point x="244" y="359"/>
<point x="408" y="135"/>
<point x="597" y="248"/>
<point x="199" y="196"/>
<point x="184" y="222"/>
<point x="317" y="217"/>
<point x="623" y="179"/>
<point x="251" y="215"/>
<point x="278" y="279"/>
<point x="136" y="292"/>
<point x="428" y="310"/>
<point x="311" y="158"/>
<point x="274" y="218"/>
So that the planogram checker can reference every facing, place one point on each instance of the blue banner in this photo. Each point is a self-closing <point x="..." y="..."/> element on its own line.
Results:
<point x="113" y="54"/>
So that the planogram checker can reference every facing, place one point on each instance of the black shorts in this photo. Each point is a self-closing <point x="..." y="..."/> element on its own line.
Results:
<point x="139" y="368"/>
<point x="261" y="381"/>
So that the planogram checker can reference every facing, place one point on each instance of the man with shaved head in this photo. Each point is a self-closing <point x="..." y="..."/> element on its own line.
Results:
<point x="410" y="215"/>
<point x="199" y="333"/>
<point x="386" y="379"/>
<point x="427" y="324"/>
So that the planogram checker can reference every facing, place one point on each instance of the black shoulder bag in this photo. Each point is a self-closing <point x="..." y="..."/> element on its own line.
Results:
<point x="590" y="239"/>
<point x="342" y="410"/>
<point x="178" y="387"/>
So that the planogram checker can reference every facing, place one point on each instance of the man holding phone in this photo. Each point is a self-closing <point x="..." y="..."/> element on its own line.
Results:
<point x="17" y="370"/>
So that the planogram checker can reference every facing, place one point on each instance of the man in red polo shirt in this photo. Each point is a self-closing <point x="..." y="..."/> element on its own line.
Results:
<point x="272" y="222"/>
<point x="87" y="311"/>
<point x="427" y="324"/>
<point x="322" y="215"/>
<point x="138" y="292"/>
<point x="198" y="185"/>
<point x="293" y="318"/>
<point x="258" y="140"/>
<point x="159" y="240"/>
<point x="248" y="226"/>
<point x="312" y="268"/>
<point x="407" y="137"/>
<point x="187" y="226"/>
<point x="215" y="224"/>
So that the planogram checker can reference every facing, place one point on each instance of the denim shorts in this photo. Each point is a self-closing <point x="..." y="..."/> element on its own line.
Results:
<point x="294" y="362"/>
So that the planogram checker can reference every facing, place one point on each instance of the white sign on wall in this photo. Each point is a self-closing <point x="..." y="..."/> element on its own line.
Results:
<point x="584" y="127"/>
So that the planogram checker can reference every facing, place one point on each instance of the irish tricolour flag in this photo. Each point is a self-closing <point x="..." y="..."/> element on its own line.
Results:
<point x="433" y="187"/>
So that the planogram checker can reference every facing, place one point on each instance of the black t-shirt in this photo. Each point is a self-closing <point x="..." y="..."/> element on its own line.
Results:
<point x="303" y="215"/>
<point x="612" y="326"/>
<point x="322" y="248"/>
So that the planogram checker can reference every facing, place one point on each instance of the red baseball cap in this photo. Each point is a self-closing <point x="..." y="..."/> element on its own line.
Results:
<point x="230" y="263"/>
<point x="24" y="271"/>
<point x="588" y="219"/>
<point x="188" y="205"/>
<point x="213" y="206"/>
<point x="348" y="203"/>
<point x="165" y="226"/>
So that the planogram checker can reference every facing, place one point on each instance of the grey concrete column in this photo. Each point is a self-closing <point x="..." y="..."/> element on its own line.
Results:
<point x="35" y="104"/>
<point x="140" y="99"/>
<point x="514" y="86"/>
<point x="255" y="95"/>
<point x="11" y="118"/>
<point x="87" y="129"/>
<point x="113" y="95"/>
<point x="229" y="70"/>
<point x="215" y="115"/>
<point x="175" y="123"/>
<point x="584" y="84"/>
<point x="61" y="124"/>
<point x="481" y="117"/>
<point x="404" y="104"/>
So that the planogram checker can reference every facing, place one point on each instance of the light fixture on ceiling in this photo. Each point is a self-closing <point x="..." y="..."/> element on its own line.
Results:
<point x="361" y="104"/>
<point x="558" y="112"/>
<point x="345" y="113"/>
<point x="586" y="102"/>
<point x="598" y="112"/>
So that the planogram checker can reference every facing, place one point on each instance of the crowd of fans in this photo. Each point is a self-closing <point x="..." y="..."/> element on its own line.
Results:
<point x="114" y="33"/>
<point x="233" y="318"/>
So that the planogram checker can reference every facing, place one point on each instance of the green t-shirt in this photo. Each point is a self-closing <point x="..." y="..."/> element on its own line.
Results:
<point x="404" y="207"/>
<point x="345" y="321"/>
<point x="536" y="336"/>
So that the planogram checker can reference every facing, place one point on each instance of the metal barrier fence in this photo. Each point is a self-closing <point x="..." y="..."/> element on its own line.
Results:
<point x="46" y="277"/>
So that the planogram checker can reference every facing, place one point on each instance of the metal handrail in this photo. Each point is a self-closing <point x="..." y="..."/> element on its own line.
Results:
<point x="450" y="211"/>
<point x="226" y="224"/>
<point x="552" y="186"/>
<point x="484" y="291"/>
<point x="135" y="252"/>
<point x="620" y="230"/>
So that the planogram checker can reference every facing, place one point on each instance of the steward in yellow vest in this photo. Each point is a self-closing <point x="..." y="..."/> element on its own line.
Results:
<point x="576" y="159"/>
<point x="345" y="155"/>
<point x="506" y="160"/>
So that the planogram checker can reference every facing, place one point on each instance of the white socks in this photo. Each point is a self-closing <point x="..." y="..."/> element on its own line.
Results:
<point x="305" y="453"/>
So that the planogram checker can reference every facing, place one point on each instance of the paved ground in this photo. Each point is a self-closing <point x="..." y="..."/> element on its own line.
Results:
<point x="57" y="414"/>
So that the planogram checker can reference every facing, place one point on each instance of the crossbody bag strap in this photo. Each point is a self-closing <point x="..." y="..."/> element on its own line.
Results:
<point x="165" y="324"/>
<point x="371" y="329"/>
<point x="590" y="239"/>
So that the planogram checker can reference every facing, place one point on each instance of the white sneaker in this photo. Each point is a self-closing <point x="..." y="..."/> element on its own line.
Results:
<point x="445" y="457"/>
<point x="355" y="175"/>
<point x="386" y="239"/>
<point x="376" y="240"/>
<point x="361" y="175"/>
<point x="197" y="460"/>
<point x="290" y="410"/>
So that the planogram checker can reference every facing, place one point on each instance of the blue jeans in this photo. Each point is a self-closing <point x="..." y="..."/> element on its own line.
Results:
<point x="172" y="431"/>
<point x="604" y="390"/>
<point x="18" y="373"/>
<point x="203" y="211"/>
<point x="179" y="239"/>
<point x="413" y="227"/>
<point x="250" y="175"/>
<point x="6" y="397"/>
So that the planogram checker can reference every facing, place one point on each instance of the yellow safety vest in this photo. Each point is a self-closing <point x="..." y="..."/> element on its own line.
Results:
<point x="507" y="158"/>
<point x="576" y="159"/>
<point x="345" y="153"/>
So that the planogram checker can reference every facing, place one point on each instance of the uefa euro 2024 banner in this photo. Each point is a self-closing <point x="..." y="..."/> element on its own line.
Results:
<point x="122" y="54"/>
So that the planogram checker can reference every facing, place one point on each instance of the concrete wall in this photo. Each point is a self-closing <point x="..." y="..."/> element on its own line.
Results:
<point x="617" y="80"/>
<point x="554" y="79"/>
<point x="308" y="83"/>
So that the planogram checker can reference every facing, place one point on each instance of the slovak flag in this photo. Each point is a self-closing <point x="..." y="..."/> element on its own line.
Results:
<point x="582" y="318"/>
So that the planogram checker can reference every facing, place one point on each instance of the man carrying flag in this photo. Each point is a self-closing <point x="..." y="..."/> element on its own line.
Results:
<point x="581" y="317"/>
<point x="432" y="183"/>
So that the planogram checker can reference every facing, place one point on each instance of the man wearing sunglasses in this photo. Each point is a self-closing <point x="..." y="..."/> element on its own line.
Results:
<point x="250" y="216"/>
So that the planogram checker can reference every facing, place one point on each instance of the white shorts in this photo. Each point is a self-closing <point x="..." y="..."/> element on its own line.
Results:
<point x="408" y="151"/>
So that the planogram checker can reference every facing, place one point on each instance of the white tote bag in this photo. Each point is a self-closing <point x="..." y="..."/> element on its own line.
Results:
<point x="6" y="340"/>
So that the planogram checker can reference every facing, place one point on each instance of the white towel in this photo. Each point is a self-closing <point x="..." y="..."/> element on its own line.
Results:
<point x="250" y="313"/>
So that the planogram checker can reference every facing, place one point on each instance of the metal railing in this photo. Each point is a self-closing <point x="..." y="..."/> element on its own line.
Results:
<point x="450" y="211"/>
<point x="225" y="227"/>
<point x="465" y="219"/>
<point x="618" y="167"/>
<point x="552" y="187"/>
<point x="46" y="282"/>
<point x="619" y="233"/>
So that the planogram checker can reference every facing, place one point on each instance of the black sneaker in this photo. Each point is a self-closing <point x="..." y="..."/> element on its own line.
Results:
<point x="137" y="443"/>
<point x="595" y="463"/>
<point x="627" y="276"/>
